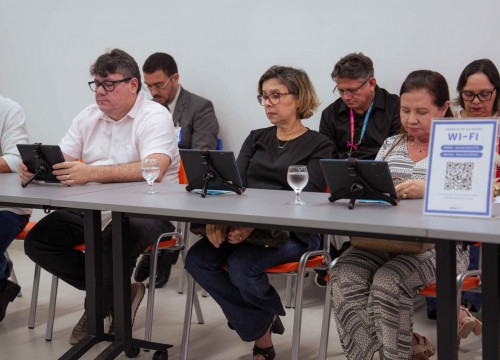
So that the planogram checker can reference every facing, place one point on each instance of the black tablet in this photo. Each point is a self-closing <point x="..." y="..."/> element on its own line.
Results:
<point x="39" y="159"/>
<point x="359" y="179"/>
<point x="211" y="170"/>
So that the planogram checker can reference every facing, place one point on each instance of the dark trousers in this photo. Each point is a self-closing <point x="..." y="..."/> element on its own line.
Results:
<point x="242" y="290"/>
<point x="50" y="244"/>
<point x="10" y="225"/>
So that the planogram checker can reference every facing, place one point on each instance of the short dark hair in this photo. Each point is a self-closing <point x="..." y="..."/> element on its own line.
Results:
<point x="297" y="83"/>
<point x="486" y="67"/>
<point x="160" y="61"/>
<point x="433" y="82"/>
<point x="353" y="66"/>
<point x="116" y="61"/>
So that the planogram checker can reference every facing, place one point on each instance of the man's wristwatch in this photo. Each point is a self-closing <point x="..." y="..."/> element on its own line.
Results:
<point x="497" y="189"/>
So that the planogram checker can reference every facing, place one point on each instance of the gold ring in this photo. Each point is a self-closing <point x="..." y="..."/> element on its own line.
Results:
<point x="405" y="195"/>
<point x="68" y="177"/>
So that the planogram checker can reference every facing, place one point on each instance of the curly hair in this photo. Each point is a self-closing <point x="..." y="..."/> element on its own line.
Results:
<point x="116" y="61"/>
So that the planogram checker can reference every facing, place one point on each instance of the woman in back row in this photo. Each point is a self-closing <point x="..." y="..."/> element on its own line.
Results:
<point x="478" y="96"/>
<point x="373" y="291"/>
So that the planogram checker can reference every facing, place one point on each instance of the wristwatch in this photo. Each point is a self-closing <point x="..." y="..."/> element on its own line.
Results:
<point x="497" y="189"/>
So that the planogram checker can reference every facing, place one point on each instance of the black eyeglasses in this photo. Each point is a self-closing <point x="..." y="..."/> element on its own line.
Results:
<point x="274" y="98"/>
<point x="483" y="95"/>
<point x="351" y="92"/>
<point x="107" y="85"/>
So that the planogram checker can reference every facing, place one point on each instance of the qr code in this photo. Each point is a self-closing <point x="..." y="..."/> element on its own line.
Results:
<point x="459" y="175"/>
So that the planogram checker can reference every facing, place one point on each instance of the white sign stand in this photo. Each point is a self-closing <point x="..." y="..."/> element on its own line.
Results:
<point x="461" y="167"/>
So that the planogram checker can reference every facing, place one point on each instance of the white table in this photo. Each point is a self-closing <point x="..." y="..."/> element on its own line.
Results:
<point x="272" y="209"/>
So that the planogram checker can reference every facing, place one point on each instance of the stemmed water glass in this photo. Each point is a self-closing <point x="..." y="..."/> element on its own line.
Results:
<point x="297" y="178"/>
<point x="150" y="169"/>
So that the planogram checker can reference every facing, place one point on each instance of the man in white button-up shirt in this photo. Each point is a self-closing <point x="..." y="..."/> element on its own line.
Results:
<point x="106" y="143"/>
<point x="12" y="220"/>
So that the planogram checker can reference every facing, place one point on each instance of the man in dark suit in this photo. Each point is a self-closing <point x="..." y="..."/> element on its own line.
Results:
<point x="196" y="126"/>
<point x="194" y="117"/>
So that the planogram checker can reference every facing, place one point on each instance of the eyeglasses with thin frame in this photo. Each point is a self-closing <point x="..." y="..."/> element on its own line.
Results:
<point x="350" y="92"/>
<point x="158" y="85"/>
<point x="107" y="85"/>
<point x="483" y="95"/>
<point x="274" y="98"/>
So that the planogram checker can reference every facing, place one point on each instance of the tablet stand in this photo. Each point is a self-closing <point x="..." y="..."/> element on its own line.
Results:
<point x="42" y="166"/>
<point x="359" y="187"/>
<point x="211" y="175"/>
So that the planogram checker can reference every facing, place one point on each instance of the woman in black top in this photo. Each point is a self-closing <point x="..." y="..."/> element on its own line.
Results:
<point x="251" y="305"/>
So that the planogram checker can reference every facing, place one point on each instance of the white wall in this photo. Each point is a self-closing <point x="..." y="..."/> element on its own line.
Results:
<point x="223" y="46"/>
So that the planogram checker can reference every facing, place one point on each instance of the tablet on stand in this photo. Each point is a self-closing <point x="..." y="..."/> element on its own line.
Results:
<point x="39" y="159"/>
<point x="211" y="170"/>
<point x="355" y="179"/>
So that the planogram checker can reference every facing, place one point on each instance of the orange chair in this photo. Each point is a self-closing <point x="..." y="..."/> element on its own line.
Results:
<point x="21" y="236"/>
<point x="309" y="260"/>
<point x="469" y="280"/>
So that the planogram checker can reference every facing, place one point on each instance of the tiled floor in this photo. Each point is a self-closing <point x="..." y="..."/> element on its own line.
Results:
<point x="213" y="340"/>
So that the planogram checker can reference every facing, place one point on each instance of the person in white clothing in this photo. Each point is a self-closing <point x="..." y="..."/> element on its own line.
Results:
<point x="106" y="143"/>
<point x="12" y="220"/>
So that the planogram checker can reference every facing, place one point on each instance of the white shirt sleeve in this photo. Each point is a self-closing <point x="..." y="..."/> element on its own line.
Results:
<point x="13" y="131"/>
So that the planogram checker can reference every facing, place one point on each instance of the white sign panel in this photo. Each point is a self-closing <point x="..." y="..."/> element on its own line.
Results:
<point x="461" y="164"/>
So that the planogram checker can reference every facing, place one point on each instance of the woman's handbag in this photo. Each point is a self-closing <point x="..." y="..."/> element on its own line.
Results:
<point x="259" y="237"/>
<point x="267" y="238"/>
<point x="391" y="246"/>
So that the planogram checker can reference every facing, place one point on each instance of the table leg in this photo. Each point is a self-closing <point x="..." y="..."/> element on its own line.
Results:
<point x="121" y="288"/>
<point x="93" y="267"/>
<point x="446" y="280"/>
<point x="122" y="313"/>
<point x="491" y="312"/>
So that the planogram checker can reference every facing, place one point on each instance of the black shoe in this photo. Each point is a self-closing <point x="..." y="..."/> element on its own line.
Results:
<point x="8" y="294"/>
<point x="142" y="270"/>
<point x="165" y="261"/>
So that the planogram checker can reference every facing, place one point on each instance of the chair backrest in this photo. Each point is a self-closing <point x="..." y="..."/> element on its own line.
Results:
<point x="182" y="174"/>
<point x="24" y="232"/>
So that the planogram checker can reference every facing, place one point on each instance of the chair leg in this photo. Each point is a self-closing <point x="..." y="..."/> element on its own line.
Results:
<point x="289" y="291"/>
<point x="196" y="300"/>
<point x="34" y="297"/>
<point x="151" y="292"/>
<point x="197" y="308"/>
<point x="188" y="315"/>
<point x="297" y="317"/>
<point x="180" y="286"/>
<point x="185" y="231"/>
<point x="325" y="327"/>
<point x="299" y="297"/>
<point x="52" y="308"/>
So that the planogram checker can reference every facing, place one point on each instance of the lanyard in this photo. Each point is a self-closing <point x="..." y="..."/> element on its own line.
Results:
<point x="351" y="143"/>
